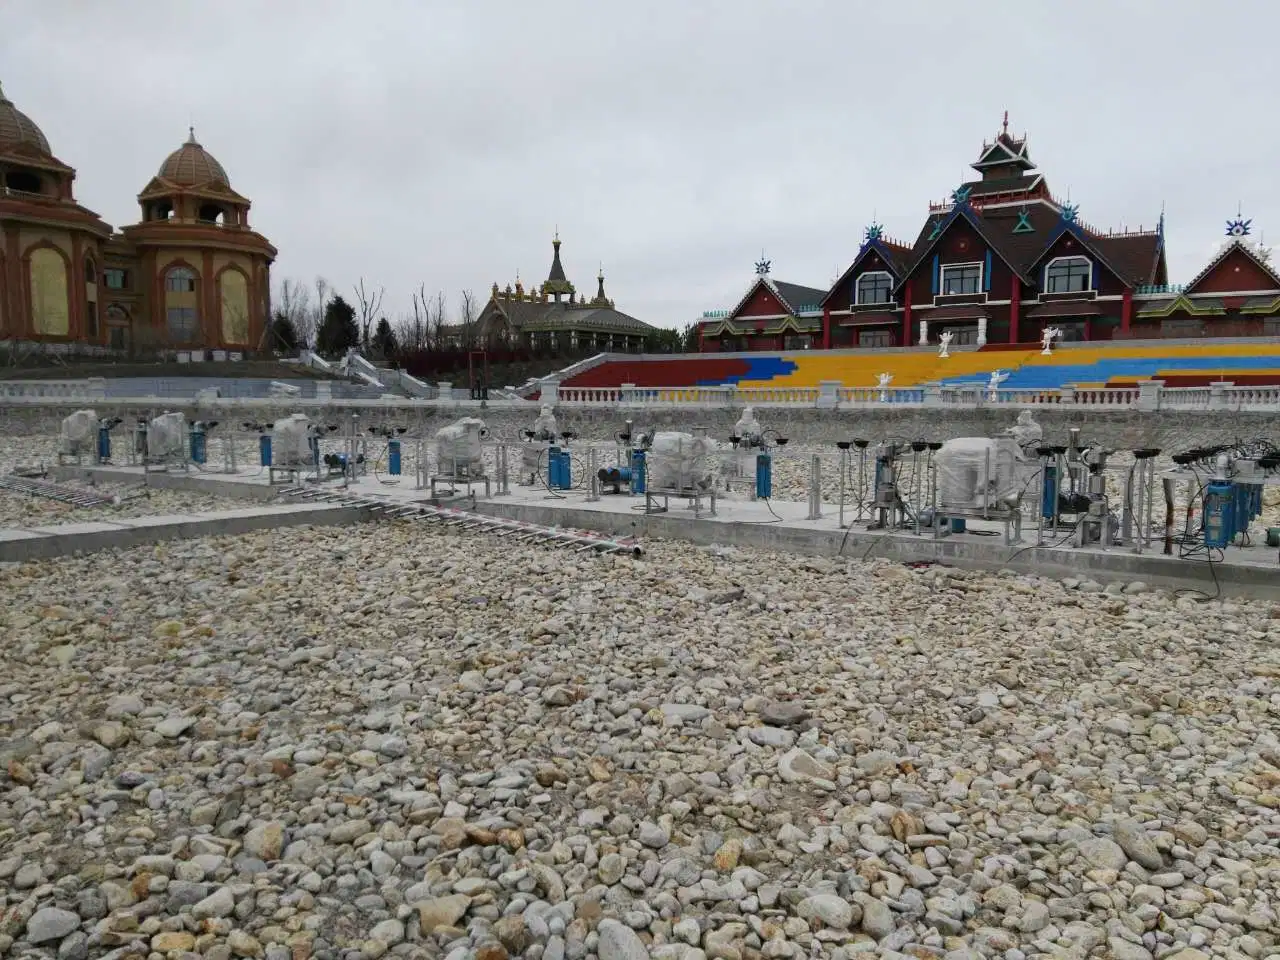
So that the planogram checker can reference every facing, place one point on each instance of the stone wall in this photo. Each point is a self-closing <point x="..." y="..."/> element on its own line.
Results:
<point x="1120" y="429"/>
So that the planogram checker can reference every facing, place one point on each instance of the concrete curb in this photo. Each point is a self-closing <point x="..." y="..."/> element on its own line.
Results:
<point x="987" y="554"/>
<point x="44" y="543"/>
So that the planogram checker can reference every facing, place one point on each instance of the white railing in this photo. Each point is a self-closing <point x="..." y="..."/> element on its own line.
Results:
<point x="1252" y="398"/>
<point x="1186" y="398"/>
<point x="1149" y="396"/>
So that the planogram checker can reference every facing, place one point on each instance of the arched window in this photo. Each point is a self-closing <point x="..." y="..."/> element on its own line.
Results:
<point x="181" y="308"/>
<point x="180" y="280"/>
<point x="50" y="307"/>
<point x="234" y="292"/>
<point x="874" y="287"/>
<point x="1068" y="275"/>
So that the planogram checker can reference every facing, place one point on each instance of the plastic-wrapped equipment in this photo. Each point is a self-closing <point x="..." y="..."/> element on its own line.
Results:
<point x="167" y="436"/>
<point x="1026" y="432"/>
<point x="278" y="389"/>
<point x="291" y="443"/>
<point x="544" y="428"/>
<point x="678" y="461"/>
<point x="748" y="427"/>
<point x="975" y="472"/>
<point x="79" y="433"/>
<point x="458" y="447"/>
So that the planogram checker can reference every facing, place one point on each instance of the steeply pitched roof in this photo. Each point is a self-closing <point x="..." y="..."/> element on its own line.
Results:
<point x="1234" y="244"/>
<point x="529" y="316"/>
<point x="895" y="255"/>
<point x="1133" y="258"/>
<point x="797" y="296"/>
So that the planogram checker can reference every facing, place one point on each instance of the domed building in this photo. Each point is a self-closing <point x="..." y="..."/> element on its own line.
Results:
<point x="190" y="274"/>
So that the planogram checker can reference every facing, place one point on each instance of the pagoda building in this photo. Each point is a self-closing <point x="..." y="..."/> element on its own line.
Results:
<point x="555" y="316"/>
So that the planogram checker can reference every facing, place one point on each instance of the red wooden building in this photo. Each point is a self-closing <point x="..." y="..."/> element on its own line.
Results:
<point x="997" y="263"/>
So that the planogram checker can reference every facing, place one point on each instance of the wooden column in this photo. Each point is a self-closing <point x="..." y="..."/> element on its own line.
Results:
<point x="1015" y="301"/>
<point x="1126" y="312"/>
<point x="906" y="314"/>
<point x="826" y="328"/>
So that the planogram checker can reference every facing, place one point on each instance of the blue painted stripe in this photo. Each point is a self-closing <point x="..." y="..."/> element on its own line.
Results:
<point x="937" y="267"/>
<point x="986" y="274"/>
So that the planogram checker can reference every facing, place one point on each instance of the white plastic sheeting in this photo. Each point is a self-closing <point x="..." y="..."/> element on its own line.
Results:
<point x="291" y="443"/>
<point x="1026" y="432"/>
<point x="166" y="436"/>
<point x="748" y="427"/>
<point x="679" y="461"/>
<point x="458" y="447"/>
<point x="545" y="425"/>
<point x="978" y="472"/>
<point x="78" y="433"/>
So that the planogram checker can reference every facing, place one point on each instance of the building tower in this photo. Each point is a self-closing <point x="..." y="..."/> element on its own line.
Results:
<point x="50" y="246"/>
<point x="203" y="273"/>
<point x="557" y="284"/>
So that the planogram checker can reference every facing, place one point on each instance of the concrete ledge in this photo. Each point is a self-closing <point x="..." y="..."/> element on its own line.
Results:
<point x="987" y="553"/>
<point x="218" y="485"/>
<point x="43" y="543"/>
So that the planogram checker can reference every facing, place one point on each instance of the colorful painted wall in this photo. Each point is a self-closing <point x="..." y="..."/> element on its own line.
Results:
<point x="1110" y="364"/>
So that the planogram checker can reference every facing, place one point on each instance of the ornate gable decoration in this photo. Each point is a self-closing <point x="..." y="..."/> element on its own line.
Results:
<point x="1071" y="213"/>
<point x="873" y="232"/>
<point x="1238" y="227"/>
<point x="1024" y="222"/>
<point x="762" y="267"/>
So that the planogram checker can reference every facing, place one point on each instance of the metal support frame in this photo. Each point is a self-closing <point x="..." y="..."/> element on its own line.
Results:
<point x="695" y="498"/>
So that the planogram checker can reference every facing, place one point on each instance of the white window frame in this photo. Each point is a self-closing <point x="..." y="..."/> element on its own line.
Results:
<point x="942" y="277"/>
<point x="857" y="287"/>
<point x="1075" y="256"/>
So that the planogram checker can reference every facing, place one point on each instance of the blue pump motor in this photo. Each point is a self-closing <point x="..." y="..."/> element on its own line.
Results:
<point x="764" y="476"/>
<point x="1218" y="510"/>
<point x="637" y="471"/>
<point x="559" y="474"/>
<point x="104" y="444"/>
<point x="199" y="445"/>
<point x="264" y="449"/>
<point x="1049" y="491"/>
<point x="393" y="457"/>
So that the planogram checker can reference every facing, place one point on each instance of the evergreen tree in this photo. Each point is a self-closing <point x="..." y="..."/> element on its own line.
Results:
<point x="384" y="340"/>
<point x="338" y="330"/>
<point x="283" y="337"/>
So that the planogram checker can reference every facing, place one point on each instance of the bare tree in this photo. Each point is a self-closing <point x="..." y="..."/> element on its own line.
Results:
<point x="437" y="322"/>
<point x="467" y="318"/>
<point x="420" y="325"/>
<point x="293" y="302"/>
<point x="322" y="288"/>
<point x="368" y="306"/>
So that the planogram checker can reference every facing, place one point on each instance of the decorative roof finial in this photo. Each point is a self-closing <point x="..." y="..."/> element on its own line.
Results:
<point x="763" y="265"/>
<point x="191" y="135"/>
<point x="960" y="195"/>
<point x="2" y="96"/>
<point x="873" y="231"/>
<point x="1070" y="211"/>
<point x="1004" y="130"/>
<point x="1239" y="227"/>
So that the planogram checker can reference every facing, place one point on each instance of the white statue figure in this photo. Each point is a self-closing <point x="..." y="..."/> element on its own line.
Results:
<point x="885" y="379"/>
<point x="997" y="377"/>
<point x="944" y="342"/>
<point x="1047" y="336"/>
<point x="982" y="332"/>
<point x="924" y="333"/>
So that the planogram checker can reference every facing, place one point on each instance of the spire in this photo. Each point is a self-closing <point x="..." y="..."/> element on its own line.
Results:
<point x="3" y="98"/>
<point x="600" y="299"/>
<point x="557" y="283"/>
<point x="1004" y="127"/>
<point x="191" y="136"/>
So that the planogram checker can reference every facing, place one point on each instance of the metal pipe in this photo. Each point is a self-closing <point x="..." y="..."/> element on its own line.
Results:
<point x="815" y="487"/>
<point x="593" y="480"/>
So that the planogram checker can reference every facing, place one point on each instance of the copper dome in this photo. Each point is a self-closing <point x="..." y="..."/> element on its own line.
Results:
<point x="17" y="129"/>
<point x="191" y="165"/>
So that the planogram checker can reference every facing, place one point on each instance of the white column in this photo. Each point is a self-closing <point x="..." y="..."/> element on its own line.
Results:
<point x="924" y="333"/>
<point x="982" y="331"/>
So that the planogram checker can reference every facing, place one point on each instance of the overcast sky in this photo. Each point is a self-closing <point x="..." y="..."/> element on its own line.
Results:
<point x="442" y="142"/>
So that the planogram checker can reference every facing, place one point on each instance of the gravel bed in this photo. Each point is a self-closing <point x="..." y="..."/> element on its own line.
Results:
<point x="397" y="740"/>
<point x="129" y="501"/>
